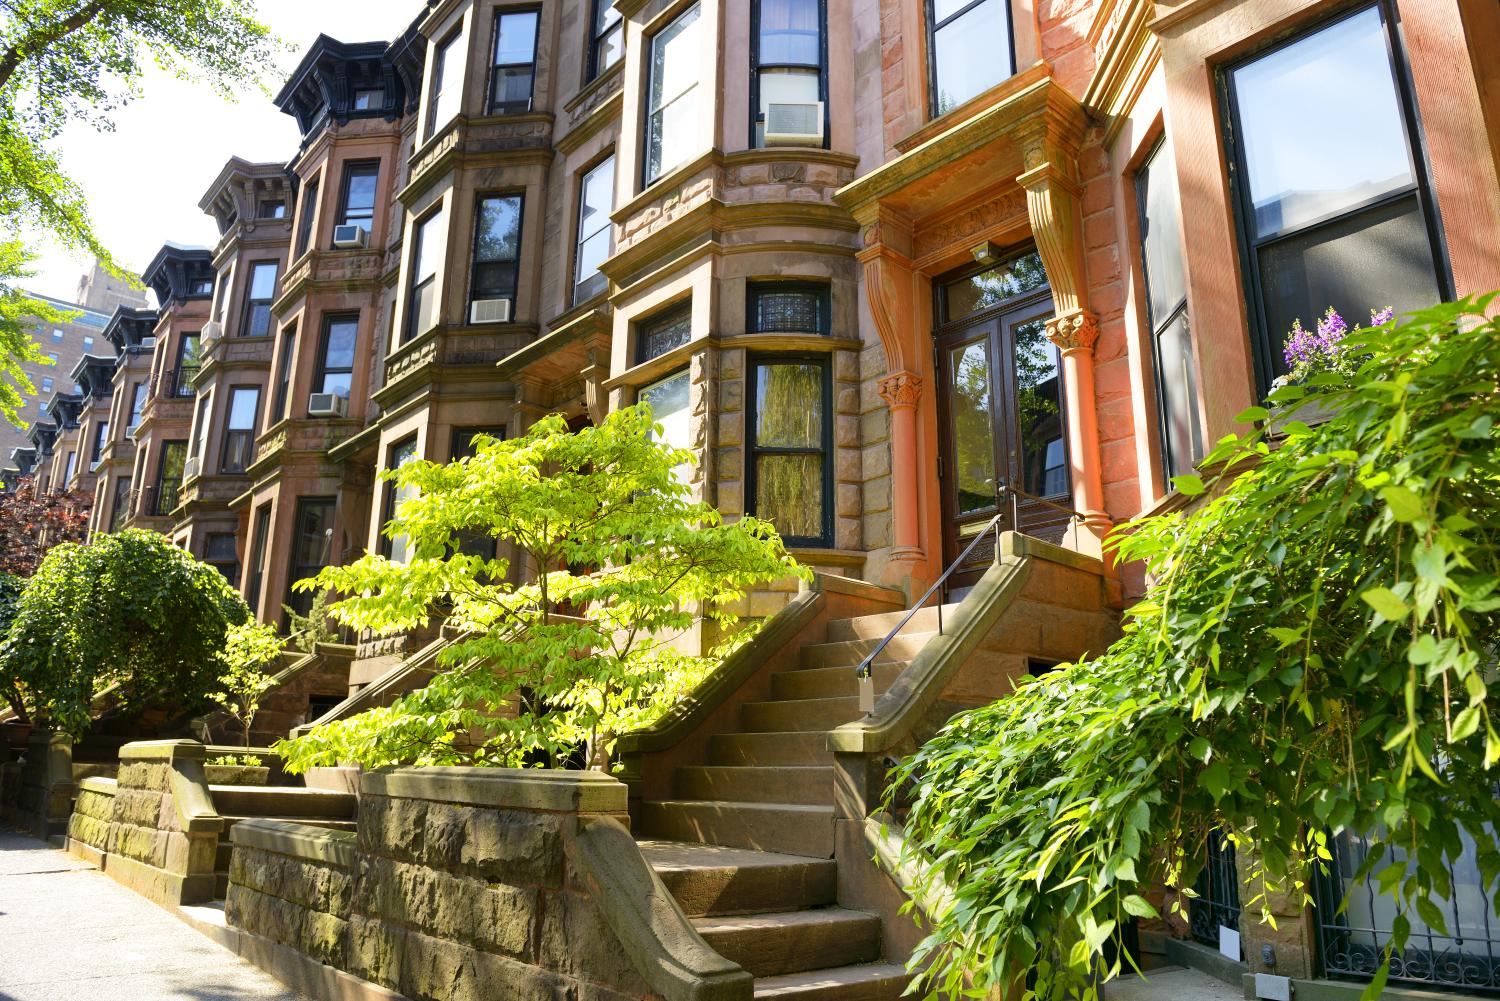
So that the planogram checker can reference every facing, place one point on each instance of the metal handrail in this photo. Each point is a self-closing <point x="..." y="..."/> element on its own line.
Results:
<point x="866" y="669"/>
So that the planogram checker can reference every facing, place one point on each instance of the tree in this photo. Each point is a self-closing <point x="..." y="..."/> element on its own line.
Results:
<point x="19" y="313"/>
<point x="249" y="651"/>
<point x="129" y="611"/>
<point x="32" y="525"/>
<point x="619" y="563"/>
<point x="1317" y="653"/>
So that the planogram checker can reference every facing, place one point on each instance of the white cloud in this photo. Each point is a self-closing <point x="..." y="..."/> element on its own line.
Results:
<point x="144" y="179"/>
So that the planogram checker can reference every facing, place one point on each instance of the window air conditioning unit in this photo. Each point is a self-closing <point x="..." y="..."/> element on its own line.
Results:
<point x="327" y="405"/>
<point x="130" y="433"/>
<point x="489" y="311"/>
<point x="191" y="467"/>
<point x="212" y="331"/>
<point x="350" y="237"/>
<point x="798" y="124"/>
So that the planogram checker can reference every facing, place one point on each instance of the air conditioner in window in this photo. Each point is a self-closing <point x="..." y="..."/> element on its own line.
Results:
<point x="489" y="311"/>
<point x="798" y="124"/>
<point x="350" y="237"/>
<point x="327" y="405"/>
<point x="212" y="331"/>
<point x="130" y="433"/>
<point x="192" y="467"/>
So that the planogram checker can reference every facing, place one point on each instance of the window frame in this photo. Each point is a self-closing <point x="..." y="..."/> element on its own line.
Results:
<point x="246" y="434"/>
<point x="233" y="573"/>
<point x="299" y="600"/>
<point x="661" y="317"/>
<point x="352" y="169"/>
<point x="389" y="491"/>
<point x="579" y="238"/>
<point x="322" y="371"/>
<point x="754" y="288"/>
<point x="929" y="18"/>
<point x="440" y="55"/>
<point x="251" y="303"/>
<point x="120" y="503"/>
<point x="1262" y="340"/>
<point x="305" y="222"/>
<point x="596" y="36"/>
<point x="161" y="477"/>
<point x="647" y="178"/>
<point x="757" y="68"/>
<point x="479" y="199"/>
<point x="496" y="67"/>
<point x="101" y="441"/>
<point x="259" y="549"/>
<point x="419" y="241"/>
<point x="753" y="363"/>
<point x="285" y="372"/>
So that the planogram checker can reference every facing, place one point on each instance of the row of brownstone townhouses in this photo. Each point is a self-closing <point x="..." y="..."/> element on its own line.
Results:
<point x="1014" y="257"/>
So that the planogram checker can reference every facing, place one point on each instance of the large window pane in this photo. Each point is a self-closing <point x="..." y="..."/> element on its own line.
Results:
<point x="497" y="248"/>
<point x="790" y="33"/>
<point x="1044" y="458"/>
<point x="447" y="83"/>
<point x="662" y="333"/>
<point x="258" y="303"/>
<point x="336" y="370"/>
<point x="513" y="71"/>
<point x="992" y="287"/>
<point x="789" y="494"/>
<point x="312" y="547"/>
<point x="609" y="37"/>
<point x="669" y="402"/>
<point x="788" y="447"/>
<point x="789" y="406"/>
<point x="672" y="132"/>
<point x="973" y="418"/>
<point x="595" y="202"/>
<point x="1161" y="236"/>
<point x="1177" y="379"/>
<point x="399" y="548"/>
<point x="1301" y="105"/>
<point x="360" y="183"/>
<point x="431" y="235"/>
<point x="971" y="51"/>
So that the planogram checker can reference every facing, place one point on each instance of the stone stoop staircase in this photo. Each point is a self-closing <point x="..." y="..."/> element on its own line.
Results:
<point x="747" y="845"/>
<point x="313" y="807"/>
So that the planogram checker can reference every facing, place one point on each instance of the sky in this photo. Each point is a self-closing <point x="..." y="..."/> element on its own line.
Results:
<point x="144" y="180"/>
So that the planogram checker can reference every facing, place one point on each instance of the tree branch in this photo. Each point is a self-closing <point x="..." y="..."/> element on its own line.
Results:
<point x="38" y="39"/>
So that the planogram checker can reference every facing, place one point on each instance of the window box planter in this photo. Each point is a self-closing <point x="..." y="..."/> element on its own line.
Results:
<point x="237" y="775"/>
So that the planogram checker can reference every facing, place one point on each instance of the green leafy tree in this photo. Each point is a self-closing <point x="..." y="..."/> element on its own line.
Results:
<point x="11" y="587"/>
<point x="307" y="631"/>
<point x="250" y="650"/>
<point x="129" y="611"/>
<point x="1317" y="653"/>
<point x="619" y="562"/>
<point x="19" y="314"/>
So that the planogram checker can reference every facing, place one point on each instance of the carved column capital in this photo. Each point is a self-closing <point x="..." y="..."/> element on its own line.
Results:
<point x="901" y="389"/>
<point x="1075" y="331"/>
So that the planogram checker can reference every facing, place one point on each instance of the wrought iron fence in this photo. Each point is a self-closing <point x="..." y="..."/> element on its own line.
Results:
<point x="1218" y="888"/>
<point x="1352" y="944"/>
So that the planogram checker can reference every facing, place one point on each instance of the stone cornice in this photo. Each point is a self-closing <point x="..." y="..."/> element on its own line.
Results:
<point x="1125" y="53"/>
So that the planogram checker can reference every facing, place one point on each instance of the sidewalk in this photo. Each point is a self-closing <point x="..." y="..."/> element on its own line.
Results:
<point x="70" y="933"/>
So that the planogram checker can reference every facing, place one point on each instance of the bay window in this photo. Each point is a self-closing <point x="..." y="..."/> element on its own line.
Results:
<point x="789" y="63"/>
<point x="259" y="296"/>
<point x="667" y="330"/>
<point x="1160" y="215"/>
<point x="335" y="372"/>
<point x="970" y="48"/>
<point x="787" y="308"/>
<point x="1332" y="200"/>
<point x="447" y="83"/>
<point x="307" y="214"/>
<point x="497" y="257"/>
<point x="596" y="200"/>
<point x="670" y="400"/>
<point x="281" y="401"/>
<point x="790" y="439"/>
<point x="312" y="547"/>
<point x="672" y="128"/>
<point x="607" y="37"/>
<point x="239" y="429"/>
<point x="398" y="548"/>
<point x="513" y="73"/>
<point x="427" y="255"/>
<point x="357" y="204"/>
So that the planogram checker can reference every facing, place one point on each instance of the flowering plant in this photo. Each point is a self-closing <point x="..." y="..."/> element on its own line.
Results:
<point x="1310" y="353"/>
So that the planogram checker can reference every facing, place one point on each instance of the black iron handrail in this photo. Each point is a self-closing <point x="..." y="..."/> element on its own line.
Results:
<point x="1013" y="497"/>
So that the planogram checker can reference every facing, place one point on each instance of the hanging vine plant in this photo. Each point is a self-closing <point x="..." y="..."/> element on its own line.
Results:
<point x="1317" y="654"/>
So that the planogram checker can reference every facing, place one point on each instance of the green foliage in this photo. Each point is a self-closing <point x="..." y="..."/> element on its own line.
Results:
<point x="1317" y="652"/>
<point x="18" y="313"/>
<point x="11" y="588"/>
<point x="129" y="610"/>
<point x="70" y="60"/>
<point x="574" y="656"/>
<point x="307" y="631"/>
<point x="250" y="649"/>
<point x="232" y="761"/>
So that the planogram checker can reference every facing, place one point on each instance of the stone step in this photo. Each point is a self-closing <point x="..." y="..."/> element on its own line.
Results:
<point x="810" y="748"/>
<point x="867" y="627"/>
<point x="774" y="784"/>
<point x="714" y="880"/>
<point x="327" y="823"/>
<point x="830" y="682"/>
<point x="282" y="801"/>
<point x="799" y="715"/>
<point x="875" y="982"/>
<point x="768" y="827"/>
<point x="769" y="945"/>
<point x="849" y="653"/>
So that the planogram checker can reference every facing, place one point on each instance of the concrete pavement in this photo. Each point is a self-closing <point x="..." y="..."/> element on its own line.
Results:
<point x="1170" y="984"/>
<point x="70" y="933"/>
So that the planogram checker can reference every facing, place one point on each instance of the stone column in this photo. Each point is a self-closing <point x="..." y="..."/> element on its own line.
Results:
<point x="1288" y="950"/>
<point x="1075" y="335"/>
<point x="901" y="392"/>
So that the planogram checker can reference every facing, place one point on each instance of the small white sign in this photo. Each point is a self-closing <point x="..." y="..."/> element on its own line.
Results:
<point x="1229" y="943"/>
<point x="1270" y="987"/>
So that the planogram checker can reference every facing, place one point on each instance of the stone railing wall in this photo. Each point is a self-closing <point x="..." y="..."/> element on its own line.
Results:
<point x="92" y="820"/>
<point x="467" y="882"/>
<point x="38" y="790"/>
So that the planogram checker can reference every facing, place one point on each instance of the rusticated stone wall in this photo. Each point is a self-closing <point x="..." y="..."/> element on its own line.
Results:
<point x="38" y="790"/>
<point x="293" y="886"/>
<point x="90" y="824"/>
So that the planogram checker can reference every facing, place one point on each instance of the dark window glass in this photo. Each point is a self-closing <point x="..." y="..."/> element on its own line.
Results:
<point x="69" y="465"/>
<point x="497" y="249"/>
<point x="430" y="235"/>
<point x="187" y="365"/>
<point x="137" y="404"/>
<point x="447" y="83"/>
<point x="272" y="208"/>
<point x="664" y="332"/>
<point x="119" y="508"/>
<point x="608" y="43"/>
<point x="239" y="429"/>
<point x="993" y="286"/>
<point x="220" y="553"/>
<point x="970" y="49"/>
<point x="47" y="384"/>
<point x="514" y="69"/>
<point x="169" y="476"/>
<point x="357" y="207"/>
<point x="785" y="308"/>
<point x="101" y="438"/>
<point x="397" y="549"/>
<point x="1039" y="409"/>
<point x="312" y="547"/>
<point x="475" y="542"/>
<point x="261" y="541"/>
<point x="672" y="132"/>
<point x="259" y="296"/>
<point x="336" y="360"/>
<point x="596" y="200"/>
<point x="309" y="212"/>
<point x="789" y="61"/>
<point x="1351" y="232"/>
<point x="789" y="445"/>
<point x="200" y="425"/>
<point x="369" y="100"/>
<point x="1166" y="307"/>
<point x="279" y="403"/>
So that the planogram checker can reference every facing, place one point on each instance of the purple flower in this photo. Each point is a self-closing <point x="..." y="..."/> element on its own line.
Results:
<point x="1383" y="316"/>
<point x="1301" y="345"/>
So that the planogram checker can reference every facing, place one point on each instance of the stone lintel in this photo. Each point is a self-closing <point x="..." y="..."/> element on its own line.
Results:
<point x="536" y="790"/>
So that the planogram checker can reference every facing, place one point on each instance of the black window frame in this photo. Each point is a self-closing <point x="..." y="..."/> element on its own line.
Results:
<point x="755" y="288"/>
<point x="253" y="304"/>
<point x="1159" y="326"/>
<point x="753" y="363"/>
<point x="1263" y="341"/>
<point x="309" y="210"/>
<point x="322" y="371"/>
<point x="929" y="18"/>
<point x="244" y="438"/>
<point x="259" y="550"/>
<point x="138" y="394"/>
<point x="490" y="101"/>
<point x="185" y="372"/>
<point x="280" y="405"/>
<point x="647" y="178"/>
<point x="474" y="261"/>
<point x="301" y="601"/>
<point x="757" y="68"/>
<point x="387" y="545"/>
<point x="579" y="294"/>
<point x="232" y="574"/>
<point x="598" y="35"/>
<point x="662" y="317"/>
<point x="276" y="205"/>
<point x="418" y="244"/>
<point x="119" y="503"/>
<point x="353" y="169"/>
<point x="161" y="495"/>
<point x="101" y="439"/>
